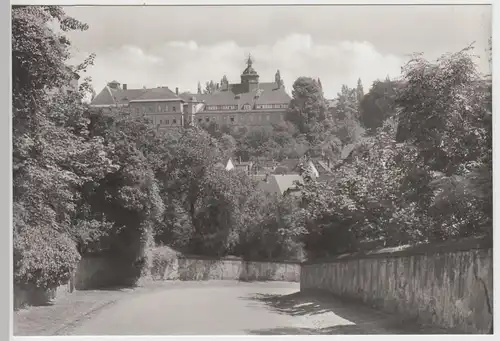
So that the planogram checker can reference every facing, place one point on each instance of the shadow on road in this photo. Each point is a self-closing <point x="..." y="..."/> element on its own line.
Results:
<point x="335" y="330"/>
<point x="360" y="319"/>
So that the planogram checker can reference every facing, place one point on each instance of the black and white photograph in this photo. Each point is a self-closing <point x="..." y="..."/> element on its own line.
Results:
<point x="240" y="169"/>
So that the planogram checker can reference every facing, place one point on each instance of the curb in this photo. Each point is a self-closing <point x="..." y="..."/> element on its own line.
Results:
<point x="74" y="323"/>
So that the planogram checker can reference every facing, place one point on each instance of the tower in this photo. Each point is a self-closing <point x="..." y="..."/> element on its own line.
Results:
<point x="114" y="85"/>
<point x="250" y="77"/>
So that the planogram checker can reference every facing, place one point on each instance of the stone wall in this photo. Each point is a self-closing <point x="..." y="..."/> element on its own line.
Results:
<point x="449" y="284"/>
<point x="196" y="269"/>
<point x="101" y="272"/>
<point x="166" y="264"/>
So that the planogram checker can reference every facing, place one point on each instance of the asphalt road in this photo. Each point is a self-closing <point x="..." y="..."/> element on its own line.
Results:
<point x="235" y="308"/>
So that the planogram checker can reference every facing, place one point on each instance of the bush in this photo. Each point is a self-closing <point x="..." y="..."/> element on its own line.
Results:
<point x="159" y="259"/>
<point x="43" y="257"/>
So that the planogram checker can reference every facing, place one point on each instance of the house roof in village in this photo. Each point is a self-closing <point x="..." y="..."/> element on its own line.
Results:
<point x="290" y="164"/>
<point x="279" y="184"/>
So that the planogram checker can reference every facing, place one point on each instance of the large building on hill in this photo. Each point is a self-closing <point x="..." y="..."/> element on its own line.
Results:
<point x="247" y="103"/>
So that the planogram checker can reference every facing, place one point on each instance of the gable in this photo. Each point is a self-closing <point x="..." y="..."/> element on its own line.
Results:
<point x="103" y="98"/>
<point x="109" y="96"/>
<point x="287" y="181"/>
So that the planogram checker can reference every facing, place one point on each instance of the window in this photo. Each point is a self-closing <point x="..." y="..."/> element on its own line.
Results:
<point x="167" y="121"/>
<point x="232" y="119"/>
<point x="161" y="121"/>
<point x="207" y="119"/>
<point x="267" y="117"/>
<point x="138" y="110"/>
<point x="199" y="120"/>
<point x="173" y="108"/>
<point x="174" y="121"/>
<point x="159" y="108"/>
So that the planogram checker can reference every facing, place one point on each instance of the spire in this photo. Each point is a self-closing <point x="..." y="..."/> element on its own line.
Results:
<point x="249" y="60"/>
<point x="199" y="88"/>
<point x="250" y="77"/>
<point x="224" y="84"/>
<point x="277" y="78"/>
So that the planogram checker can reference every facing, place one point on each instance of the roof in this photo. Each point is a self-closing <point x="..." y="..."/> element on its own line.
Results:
<point x="347" y="150"/>
<point x="279" y="184"/>
<point x="110" y="96"/>
<point x="243" y="163"/>
<point x="323" y="167"/>
<point x="189" y="97"/>
<point x="269" y="93"/>
<point x="162" y="93"/>
<point x="290" y="164"/>
<point x="236" y="94"/>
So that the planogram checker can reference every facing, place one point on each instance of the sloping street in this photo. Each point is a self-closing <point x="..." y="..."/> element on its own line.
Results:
<point x="230" y="308"/>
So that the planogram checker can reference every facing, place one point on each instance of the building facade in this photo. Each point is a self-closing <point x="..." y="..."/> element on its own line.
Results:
<point x="248" y="103"/>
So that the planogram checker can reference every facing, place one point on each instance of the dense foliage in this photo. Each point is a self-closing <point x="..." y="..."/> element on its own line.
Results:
<point x="53" y="154"/>
<point x="424" y="175"/>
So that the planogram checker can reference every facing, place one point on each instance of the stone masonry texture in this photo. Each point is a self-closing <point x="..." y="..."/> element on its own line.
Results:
<point x="442" y="287"/>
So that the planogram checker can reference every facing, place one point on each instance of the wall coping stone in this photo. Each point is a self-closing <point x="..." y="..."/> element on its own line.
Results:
<point x="449" y="246"/>
<point x="235" y="258"/>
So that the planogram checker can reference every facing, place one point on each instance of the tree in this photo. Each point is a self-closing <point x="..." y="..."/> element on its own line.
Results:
<point x="359" y="91"/>
<point x="365" y="201"/>
<point x="270" y="227"/>
<point x="210" y="87"/>
<point x="378" y="104"/>
<point x="228" y="146"/>
<point x="128" y="197"/>
<point x="445" y="111"/>
<point x="344" y="115"/>
<point x="54" y="155"/>
<point x="308" y="107"/>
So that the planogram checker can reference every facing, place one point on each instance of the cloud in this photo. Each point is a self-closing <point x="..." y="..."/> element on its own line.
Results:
<point x="183" y="63"/>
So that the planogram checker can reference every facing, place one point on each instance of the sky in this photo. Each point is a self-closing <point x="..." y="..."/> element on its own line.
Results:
<point x="179" y="46"/>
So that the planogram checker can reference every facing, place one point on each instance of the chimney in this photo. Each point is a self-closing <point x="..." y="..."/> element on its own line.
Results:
<point x="124" y="86"/>
<point x="177" y="91"/>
